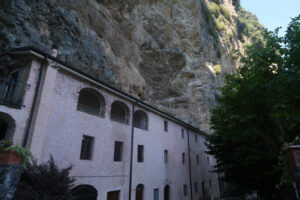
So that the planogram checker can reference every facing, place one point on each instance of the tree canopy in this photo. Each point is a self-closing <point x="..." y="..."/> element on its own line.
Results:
<point x="257" y="112"/>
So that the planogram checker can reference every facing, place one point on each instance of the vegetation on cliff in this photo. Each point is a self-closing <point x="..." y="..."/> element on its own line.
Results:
<point x="257" y="112"/>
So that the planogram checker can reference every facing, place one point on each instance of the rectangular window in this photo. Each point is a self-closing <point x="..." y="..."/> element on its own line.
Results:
<point x="166" y="126"/>
<point x="166" y="156"/>
<point x="140" y="153"/>
<point x="87" y="146"/>
<point x="182" y="133"/>
<point x="196" y="138"/>
<point x="118" y="151"/>
<point x="196" y="187"/>
<point x="183" y="158"/>
<point x="185" y="193"/>
<point x="210" y="184"/>
<point x="156" y="194"/>
<point x="197" y="159"/>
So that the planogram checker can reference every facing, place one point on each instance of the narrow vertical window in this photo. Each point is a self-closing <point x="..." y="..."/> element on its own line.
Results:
<point x="140" y="153"/>
<point x="196" y="138"/>
<point x="210" y="184"/>
<point x="166" y="156"/>
<point x="118" y="151"/>
<point x="86" y="148"/>
<point x="182" y="133"/>
<point x="156" y="194"/>
<point x="166" y="126"/>
<point x="197" y="159"/>
<point x="185" y="190"/>
<point x="196" y="187"/>
<point x="183" y="158"/>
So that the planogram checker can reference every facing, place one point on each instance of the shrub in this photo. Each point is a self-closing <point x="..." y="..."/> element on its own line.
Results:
<point x="217" y="69"/>
<point x="214" y="9"/>
<point x="225" y="12"/>
<point x="44" y="182"/>
<point x="220" y="26"/>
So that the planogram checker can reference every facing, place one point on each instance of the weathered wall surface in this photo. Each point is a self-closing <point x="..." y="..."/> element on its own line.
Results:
<point x="158" y="50"/>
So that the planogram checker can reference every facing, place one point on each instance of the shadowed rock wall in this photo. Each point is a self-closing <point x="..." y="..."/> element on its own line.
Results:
<point x="158" y="50"/>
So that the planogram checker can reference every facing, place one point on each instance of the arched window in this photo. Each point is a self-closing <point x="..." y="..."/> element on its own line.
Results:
<point x="167" y="192"/>
<point x="140" y="120"/>
<point x="7" y="126"/>
<point x="119" y="112"/>
<point x="83" y="192"/>
<point x="139" y="192"/>
<point x="91" y="102"/>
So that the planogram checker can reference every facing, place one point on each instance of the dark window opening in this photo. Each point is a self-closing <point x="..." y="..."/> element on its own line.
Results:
<point x="166" y="126"/>
<point x="139" y="192"/>
<point x="182" y="133"/>
<point x="91" y="102"/>
<point x="113" y="195"/>
<point x="140" y="120"/>
<point x="3" y="128"/>
<point x="86" y="148"/>
<point x="210" y="184"/>
<point x="166" y="156"/>
<point x="156" y="194"/>
<point x="196" y="138"/>
<point x="183" y="158"/>
<point x="118" y="151"/>
<point x="185" y="192"/>
<point x="167" y="192"/>
<point x="197" y="159"/>
<point x="196" y="187"/>
<point x="119" y="112"/>
<point x="140" y="153"/>
<point x="83" y="192"/>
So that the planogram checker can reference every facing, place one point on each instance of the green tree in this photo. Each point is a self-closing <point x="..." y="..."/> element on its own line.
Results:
<point x="257" y="112"/>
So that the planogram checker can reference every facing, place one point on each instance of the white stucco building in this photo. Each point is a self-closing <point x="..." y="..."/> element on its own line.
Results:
<point x="120" y="147"/>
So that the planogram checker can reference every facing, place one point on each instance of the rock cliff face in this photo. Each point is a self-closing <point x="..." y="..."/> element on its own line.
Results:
<point x="162" y="51"/>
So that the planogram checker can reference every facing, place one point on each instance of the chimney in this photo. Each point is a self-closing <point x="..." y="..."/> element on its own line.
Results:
<point x="54" y="49"/>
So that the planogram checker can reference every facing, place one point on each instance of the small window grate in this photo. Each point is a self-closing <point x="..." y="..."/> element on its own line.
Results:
<point x="140" y="153"/>
<point x="118" y="151"/>
<point x="86" y="148"/>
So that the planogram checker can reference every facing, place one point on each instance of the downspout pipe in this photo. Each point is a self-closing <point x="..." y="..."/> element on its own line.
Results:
<point x="131" y="151"/>
<point x="34" y="102"/>
<point x="190" y="168"/>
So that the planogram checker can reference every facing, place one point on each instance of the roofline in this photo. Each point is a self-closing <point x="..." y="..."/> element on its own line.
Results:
<point x="65" y="66"/>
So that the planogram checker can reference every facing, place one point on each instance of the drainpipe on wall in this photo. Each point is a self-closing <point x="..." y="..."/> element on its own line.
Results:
<point x="131" y="151"/>
<point x="190" y="168"/>
<point x="36" y="98"/>
<point x="34" y="102"/>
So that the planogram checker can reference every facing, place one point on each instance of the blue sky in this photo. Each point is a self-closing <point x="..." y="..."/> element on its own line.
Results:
<point x="273" y="13"/>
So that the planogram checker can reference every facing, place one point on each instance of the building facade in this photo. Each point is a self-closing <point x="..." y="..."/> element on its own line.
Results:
<point x="120" y="147"/>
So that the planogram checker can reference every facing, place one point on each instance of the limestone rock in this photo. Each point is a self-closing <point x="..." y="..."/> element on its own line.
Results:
<point x="158" y="50"/>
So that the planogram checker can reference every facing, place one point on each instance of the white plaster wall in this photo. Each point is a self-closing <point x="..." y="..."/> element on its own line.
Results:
<point x="65" y="127"/>
<point x="21" y="115"/>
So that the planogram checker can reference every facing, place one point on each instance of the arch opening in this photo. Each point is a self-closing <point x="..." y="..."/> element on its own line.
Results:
<point x="139" y="192"/>
<point x="140" y="120"/>
<point x="7" y="126"/>
<point x="91" y="102"/>
<point x="84" y="192"/>
<point x="119" y="112"/>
